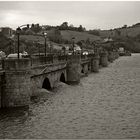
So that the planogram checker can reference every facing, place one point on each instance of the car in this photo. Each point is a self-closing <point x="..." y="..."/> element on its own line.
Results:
<point x="85" y="53"/>
<point x="15" y="55"/>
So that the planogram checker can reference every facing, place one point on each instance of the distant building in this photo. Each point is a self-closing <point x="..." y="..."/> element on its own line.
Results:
<point x="77" y="48"/>
<point x="121" y="49"/>
<point x="6" y="31"/>
<point x="108" y="40"/>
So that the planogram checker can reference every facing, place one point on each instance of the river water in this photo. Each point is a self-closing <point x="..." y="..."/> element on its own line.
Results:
<point x="103" y="105"/>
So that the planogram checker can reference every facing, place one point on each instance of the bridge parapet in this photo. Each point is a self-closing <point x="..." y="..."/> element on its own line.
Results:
<point x="36" y="61"/>
<point x="95" y="63"/>
<point x="104" y="59"/>
<point x="47" y="68"/>
<point x="17" y="64"/>
<point x="73" y="68"/>
<point x="17" y="87"/>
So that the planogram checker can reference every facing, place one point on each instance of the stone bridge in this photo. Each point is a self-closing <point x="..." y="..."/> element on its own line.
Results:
<point x="21" y="79"/>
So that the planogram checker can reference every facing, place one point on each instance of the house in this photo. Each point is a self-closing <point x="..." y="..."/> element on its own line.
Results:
<point x="107" y="40"/>
<point x="77" y="48"/>
<point x="6" y="31"/>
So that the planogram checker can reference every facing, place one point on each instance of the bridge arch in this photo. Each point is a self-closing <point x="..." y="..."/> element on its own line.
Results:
<point x="82" y="69"/>
<point x="46" y="84"/>
<point x="62" y="78"/>
<point x="88" y="67"/>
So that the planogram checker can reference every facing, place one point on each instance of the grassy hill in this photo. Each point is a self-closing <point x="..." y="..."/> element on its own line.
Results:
<point x="67" y="34"/>
<point x="32" y="38"/>
<point x="129" y="35"/>
<point x="132" y="31"/>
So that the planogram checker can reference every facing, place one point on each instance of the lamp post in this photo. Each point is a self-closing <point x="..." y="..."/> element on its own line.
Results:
<point x="73" y="44"/>
<point x="39" y="50"/>
<point x="18" y="34"/>
<point x="95" y="49"/>
<point x="37" y="46"/>
<point x="45" y="35"/>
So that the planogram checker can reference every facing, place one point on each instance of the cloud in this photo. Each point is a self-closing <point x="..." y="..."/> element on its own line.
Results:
<point x="92" y="14"/>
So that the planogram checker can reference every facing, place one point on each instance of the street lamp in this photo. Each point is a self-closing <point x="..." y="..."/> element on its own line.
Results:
<point x="38" y="49"/>
<point x="50" y="47"/>
<point x="95" y="48"/>
<point x="73" y="44"/>
<point x="18" y="34"/>
<point x="37" y="46"/>
<point x="45" y="35"/>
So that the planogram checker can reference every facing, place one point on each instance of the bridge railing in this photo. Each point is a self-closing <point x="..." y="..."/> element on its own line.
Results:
<point x="42" y="60"/>
<point x="83" y="57"/>
<point x="62" y="57"/>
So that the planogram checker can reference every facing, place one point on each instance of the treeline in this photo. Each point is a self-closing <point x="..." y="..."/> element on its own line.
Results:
<point x="5" y="44"/>
<point x="36" y="28"/>
<point x="66" y="26"/>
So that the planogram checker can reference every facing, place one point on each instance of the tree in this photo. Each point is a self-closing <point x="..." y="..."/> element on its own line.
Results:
<point x="55" y="35"/>
<point x="117" y="32"/>
<point x="88" y="41"/>
<point x="80" y="28"/>
<point x="64" y="26"/>
<point x="32" y="26"/>
<point x="71" y="27"/>
<point x="124" y="26"/>
<point x="79" y="43"/>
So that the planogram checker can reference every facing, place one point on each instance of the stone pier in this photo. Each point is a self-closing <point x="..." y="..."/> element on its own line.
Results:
<point x="110" y="56"/>
<point x="73" y="69"/>
<point x="17" y="87"/>
<point x="95" y="63"/>
<point x="104" y="59"/>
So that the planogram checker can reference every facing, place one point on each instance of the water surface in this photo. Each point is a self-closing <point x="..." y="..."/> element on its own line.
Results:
<point x="103" y="105"/>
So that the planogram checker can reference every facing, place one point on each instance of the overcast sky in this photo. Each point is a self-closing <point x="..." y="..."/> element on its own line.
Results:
<point x="92" y="14"/>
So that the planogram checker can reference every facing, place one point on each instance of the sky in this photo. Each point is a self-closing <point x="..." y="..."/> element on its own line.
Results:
<point x="90" y="14"/>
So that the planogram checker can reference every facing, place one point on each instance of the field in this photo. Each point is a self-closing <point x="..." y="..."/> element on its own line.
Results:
<point x="66" y="34"/>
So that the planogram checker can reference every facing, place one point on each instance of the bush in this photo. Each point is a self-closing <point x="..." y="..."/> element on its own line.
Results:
<point x="94" y="32"/>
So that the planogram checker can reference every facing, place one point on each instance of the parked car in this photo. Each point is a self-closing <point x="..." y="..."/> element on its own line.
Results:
<point x="15" y="55"/>
<point x="85" y="53"/>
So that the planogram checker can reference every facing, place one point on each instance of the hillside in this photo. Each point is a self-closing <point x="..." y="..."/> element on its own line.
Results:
<point x="67" y="34"/>
<point x="132" y="31"/>
<point x="6" y="44"/>
<point x="130" y="36"/>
